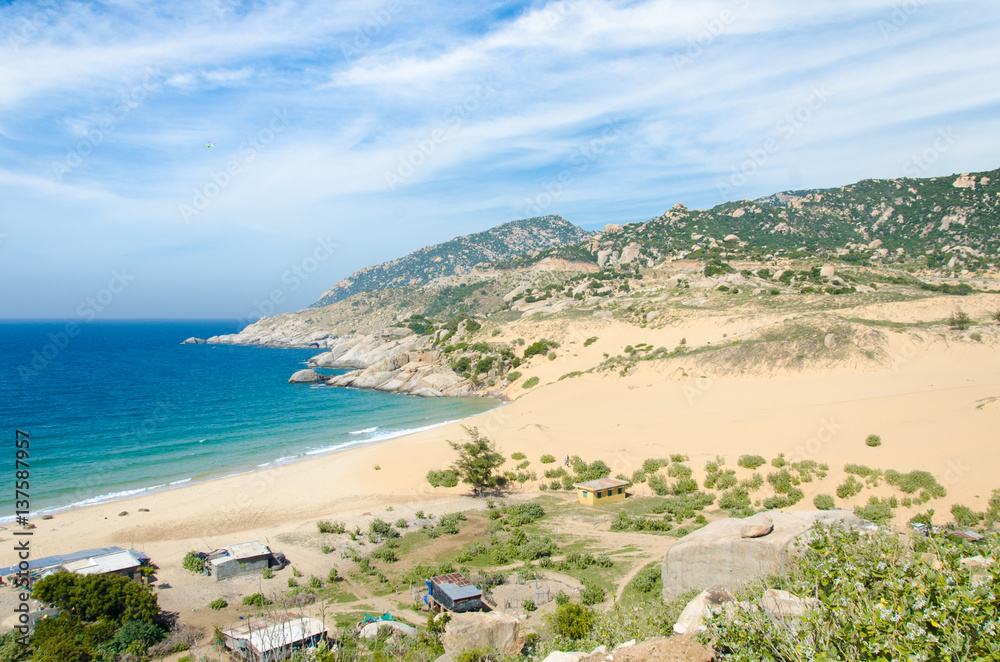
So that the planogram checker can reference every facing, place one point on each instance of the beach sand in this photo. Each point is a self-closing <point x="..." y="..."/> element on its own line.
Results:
<point x="936" y="408"/>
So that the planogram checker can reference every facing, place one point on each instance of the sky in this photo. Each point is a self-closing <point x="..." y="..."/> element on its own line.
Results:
<point x="346" y="134"/>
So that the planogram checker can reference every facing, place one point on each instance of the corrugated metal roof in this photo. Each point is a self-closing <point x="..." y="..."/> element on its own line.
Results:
<point x="283" y="633"/>
<point x="601" y="484"/>
<point x="243" y="550"/>
<point x="63" y="559"/>
<point x="456" y="586"/>
<point x="99" y="565"/>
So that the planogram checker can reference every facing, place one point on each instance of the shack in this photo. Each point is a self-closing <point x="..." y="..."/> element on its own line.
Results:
<point x="88" y="561"/>
<point x="453" y="592"/>
<point x="240" y="559"/>
<point x="124" y="562"/>
<point x="602" y="490"/>
<point x="273" y="638"/>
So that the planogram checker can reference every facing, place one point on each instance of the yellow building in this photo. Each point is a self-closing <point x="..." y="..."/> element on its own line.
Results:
<point x="602" y="490"/>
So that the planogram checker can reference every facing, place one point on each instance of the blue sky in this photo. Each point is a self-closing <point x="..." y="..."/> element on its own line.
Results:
<point x="353" y="132"/>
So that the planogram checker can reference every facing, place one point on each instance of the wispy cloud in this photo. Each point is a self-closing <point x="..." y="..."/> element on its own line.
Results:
<point x="416" y="122"/>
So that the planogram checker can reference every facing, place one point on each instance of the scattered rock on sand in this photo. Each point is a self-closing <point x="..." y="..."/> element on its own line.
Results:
<point x="830" y="340"/>
<point x="757" y="529"/>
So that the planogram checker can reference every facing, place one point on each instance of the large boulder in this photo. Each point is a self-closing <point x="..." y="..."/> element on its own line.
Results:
<point x="478" y="630"/>
<point x="306" y="376"/>
<point x="719" y="554"/>
<point x="658" y="649"/>
<point x="705" y="604"/>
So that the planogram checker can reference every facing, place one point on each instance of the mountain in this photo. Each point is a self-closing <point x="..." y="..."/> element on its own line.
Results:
<point x="935" y="223"/>
<point x="459" y="256"/>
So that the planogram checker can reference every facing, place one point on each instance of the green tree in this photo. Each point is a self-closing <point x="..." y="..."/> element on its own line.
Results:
<point x="478" y="462"/>
<point x="98" y="597"/>
<point x="572" y="620"/>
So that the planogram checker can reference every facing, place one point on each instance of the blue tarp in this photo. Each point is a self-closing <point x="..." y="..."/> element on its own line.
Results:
<point x="63" y="559"/>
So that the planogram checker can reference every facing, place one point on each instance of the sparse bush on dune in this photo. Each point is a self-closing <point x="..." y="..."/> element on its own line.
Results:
<point x="823" y="502"/>
<point x="751" y="461"/>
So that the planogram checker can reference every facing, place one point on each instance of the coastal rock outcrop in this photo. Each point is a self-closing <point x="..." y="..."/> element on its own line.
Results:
<point x="193" y="341"/>
<point x="306" y="376"/>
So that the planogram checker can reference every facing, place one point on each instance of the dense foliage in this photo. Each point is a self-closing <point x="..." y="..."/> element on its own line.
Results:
<point x="879" y="600"/>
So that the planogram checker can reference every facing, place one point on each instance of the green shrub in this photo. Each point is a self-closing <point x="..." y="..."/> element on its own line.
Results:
<point x="444" y="478"/>
<point x="256" y="600"/>
<point x="315" y="582"/>
<point x="915" y="480"/>
<point x="513" y="376"/>
<point x="823" y="502"/>
<point x="678" y="470"/>
<point x="878" y="511"/>
<point x="965" y="516"/>
<point x="518" y="456"/>
<point x="529" y="605"/>
<point x="654" y="464"/>
<point x="332" y="576"/>
<point x="193" y="562"/>
<point x="592" y="594"/>
<point x="591" y="340"/>
<point x="751" y="461"/>
<point x="849" y="488"/>
<point x="531" y="383"/>
<point x="572" y="620"/>
<point x="217" y="604"/>
<point x="734" y="499"/>
<point x="547" y="459"/>
<point x="873" y="440"/>
<point x="292" y="582"/>
<point x="325" y="526"/>
<point x="779" y="461"/>
<point x="267" y="573"/>
<point x="677" y="457"/>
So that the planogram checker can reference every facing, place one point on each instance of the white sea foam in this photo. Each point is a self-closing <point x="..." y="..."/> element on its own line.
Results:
<point x="365" y="431"/>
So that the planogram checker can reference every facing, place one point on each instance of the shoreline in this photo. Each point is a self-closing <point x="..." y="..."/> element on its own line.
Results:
<point x="139" y="492"/>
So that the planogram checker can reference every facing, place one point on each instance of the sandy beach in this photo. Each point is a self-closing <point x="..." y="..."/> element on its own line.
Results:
<point x="936" y="408"/>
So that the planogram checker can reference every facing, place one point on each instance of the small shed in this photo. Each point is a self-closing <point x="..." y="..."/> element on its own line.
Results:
<point x="274" y="638"/>
<point x="240" y="559"/>
<point x="453" y="592"/>
<point x="602" y="490"/>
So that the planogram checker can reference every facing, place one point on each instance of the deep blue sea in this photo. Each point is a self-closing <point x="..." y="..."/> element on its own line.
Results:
<point x="123" y="407"/>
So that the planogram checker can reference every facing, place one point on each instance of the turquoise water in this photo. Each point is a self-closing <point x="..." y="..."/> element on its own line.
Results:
<point x="117" y="408"/>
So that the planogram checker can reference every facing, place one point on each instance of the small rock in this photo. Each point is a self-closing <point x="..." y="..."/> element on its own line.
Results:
<point x="830" y="340"/>
<point x="652" y="315"/>
<point x="827" y="271"/>
<point x="691" y="619"/>
<point x="758" y="529"/>
<point x="144" y="510"/>
<point x="782" y="604"/>
<point x="123" y="513"/>
<point x="875" y="244"/>
<point x="730" y="237"/>
<point x="603" y="313"/>
<point x="193" y="341"/>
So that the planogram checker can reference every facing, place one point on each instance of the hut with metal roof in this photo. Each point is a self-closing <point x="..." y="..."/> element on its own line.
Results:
<point x="453" y="592"/>
<point x="273" y="638"/>
<point x="602" y="490"/>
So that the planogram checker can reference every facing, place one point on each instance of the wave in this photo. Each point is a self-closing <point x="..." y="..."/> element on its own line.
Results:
<point x="365" y="431"/>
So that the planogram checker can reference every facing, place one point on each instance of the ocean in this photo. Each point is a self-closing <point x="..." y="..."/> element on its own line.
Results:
<point x="117" y="408"/>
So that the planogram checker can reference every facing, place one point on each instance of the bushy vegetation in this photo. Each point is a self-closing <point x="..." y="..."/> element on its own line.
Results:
<point x="217" y="604"/>
<point x="194" y="561"/>
<point x="530" y="383"/>
<point x="751" y="461"/>
<point x="823" y="502"/>
<point x="547" y="459"/>
<point x="878" y="600"/>
<point x="873" y="440"/>
<point x="445" y="478"/>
